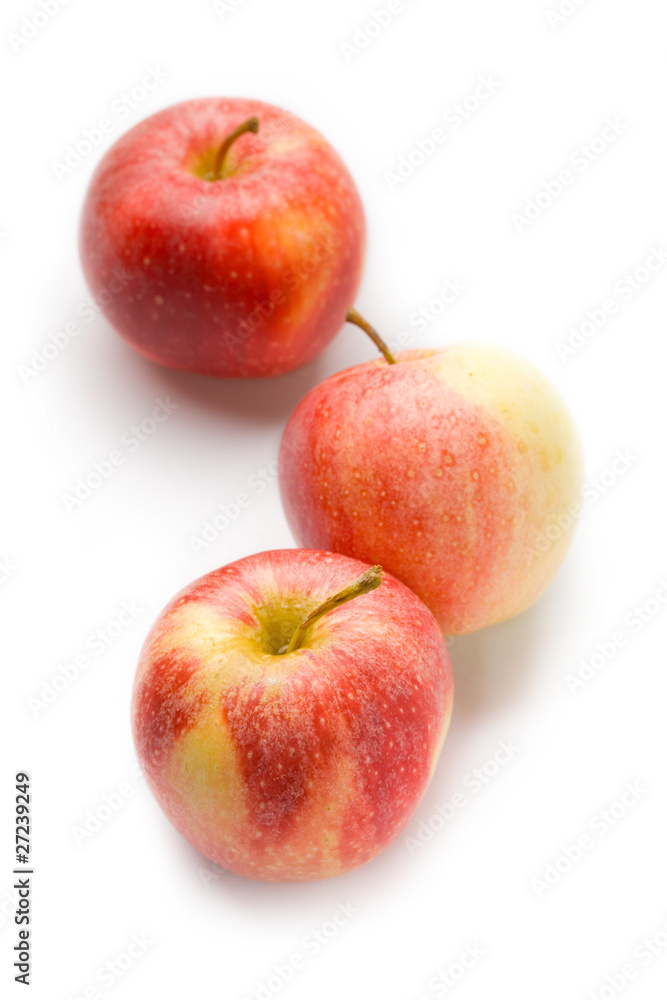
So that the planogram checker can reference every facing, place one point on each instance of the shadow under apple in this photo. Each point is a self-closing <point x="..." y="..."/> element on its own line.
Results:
<point x="494" y="666"/>
<point x="494" y="669"/>
<point x="256" y="401"/>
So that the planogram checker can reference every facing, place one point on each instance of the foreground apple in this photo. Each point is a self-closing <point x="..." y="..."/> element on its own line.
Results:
<point x="287" y="719"/>
<point x="458" y="469"/>
<point x="224" y="237"/>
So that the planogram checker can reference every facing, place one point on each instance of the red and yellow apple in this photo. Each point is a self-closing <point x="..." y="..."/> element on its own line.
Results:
<point x="287" y="718"/>
<point x="237" y="232"/>
<point x="458" y="469"/>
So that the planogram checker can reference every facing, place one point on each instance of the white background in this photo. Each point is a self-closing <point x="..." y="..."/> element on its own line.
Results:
<point x="473" y="882"/>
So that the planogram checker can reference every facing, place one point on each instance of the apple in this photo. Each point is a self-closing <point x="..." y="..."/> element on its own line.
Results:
<point x="288" y="716"/>
<point x="457" y="468"/>
<point x="225" y="237"/>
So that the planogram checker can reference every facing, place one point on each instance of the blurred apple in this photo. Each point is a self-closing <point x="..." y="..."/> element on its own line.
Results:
<point x="237" y="231"/>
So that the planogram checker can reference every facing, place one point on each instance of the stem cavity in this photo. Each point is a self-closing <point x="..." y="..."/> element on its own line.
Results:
<point x="371" y="579"/>
<point x="252" y="125"/>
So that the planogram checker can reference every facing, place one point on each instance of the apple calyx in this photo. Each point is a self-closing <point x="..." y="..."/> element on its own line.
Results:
<point x="352" y="316"/>
<point x="370" y="580"/>
<point x="251" y="125"/>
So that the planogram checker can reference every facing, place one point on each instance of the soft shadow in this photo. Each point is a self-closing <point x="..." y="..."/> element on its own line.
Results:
<point x="253" y="400"/>
<point x="277" y="900"/>
<point x="492" y="668"/>
<point x="495" y="666"/>
<point x="380" y="878"/>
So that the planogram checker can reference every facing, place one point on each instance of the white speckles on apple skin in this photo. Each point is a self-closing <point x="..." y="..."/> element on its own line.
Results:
<point x="300" y="767"/>
<point x="217" y="253"/>
<point x="501" y="459"/>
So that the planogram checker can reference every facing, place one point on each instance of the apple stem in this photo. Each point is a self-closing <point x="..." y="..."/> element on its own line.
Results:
<point x="370" y="580"/>
<point x="352" y="316"/>
<point x="252" y="125"/>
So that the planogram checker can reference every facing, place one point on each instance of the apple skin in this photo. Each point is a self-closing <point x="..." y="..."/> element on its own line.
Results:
<point x="450" y="468"/>
<point x="299" y="766"/>
<point x="249" y="275"/>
